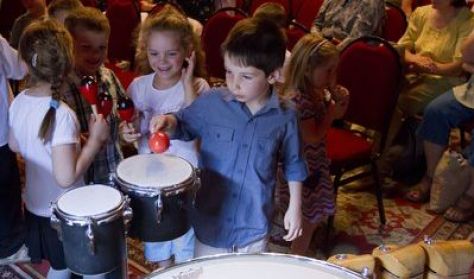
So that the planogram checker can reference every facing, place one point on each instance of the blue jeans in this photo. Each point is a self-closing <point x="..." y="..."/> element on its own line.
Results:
<point x="441" y="115"/>
<point x="182" y="248"/>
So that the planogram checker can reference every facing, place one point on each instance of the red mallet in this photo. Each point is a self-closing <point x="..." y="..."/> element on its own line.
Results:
<point x="105" y="104"/>
<point x="159" y="142"/>
<point x="89" y="90"/>
<point x="126" y="109"/>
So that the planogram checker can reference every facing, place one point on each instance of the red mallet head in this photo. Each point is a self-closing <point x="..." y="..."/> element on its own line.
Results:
<point x="126" y="109"/>
<point x="159" y="142"/>
<point x="105" y="104"/>
<point x="89" y="89"/>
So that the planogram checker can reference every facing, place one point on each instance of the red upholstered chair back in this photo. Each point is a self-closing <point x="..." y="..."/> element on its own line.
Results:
<point x="371" y="70"/>
<point x="294" y="33"/>
<point x="90" y="3"/>
<point x="308" y="11"/>
<point x="257" y="3"/>
<point x="161" y="4"/>
<point x="213" y="35"/>
<point x="9" y="11"/>
<point x="395" y="23"/>
<point x="124" y="18"/>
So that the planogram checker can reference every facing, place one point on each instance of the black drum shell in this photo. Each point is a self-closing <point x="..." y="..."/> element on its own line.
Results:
<point x="110" y="247"/>
<point x="174" y="220"/>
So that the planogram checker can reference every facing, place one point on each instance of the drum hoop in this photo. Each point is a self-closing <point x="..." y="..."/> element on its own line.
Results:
<point x="150" y="191"/>
<point x="244" y="255"/>
<point x="98" y="219"/>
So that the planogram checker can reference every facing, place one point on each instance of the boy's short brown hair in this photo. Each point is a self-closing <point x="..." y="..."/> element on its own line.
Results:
<point x="87" y="18"/>
<point x="258" y="43"/>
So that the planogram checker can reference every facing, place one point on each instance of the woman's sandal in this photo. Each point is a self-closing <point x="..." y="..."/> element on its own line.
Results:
<point x="462" y="211"/>
<point x="420" y="193"/>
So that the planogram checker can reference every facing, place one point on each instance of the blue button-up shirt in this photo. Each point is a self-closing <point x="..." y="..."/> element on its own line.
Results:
<point x="239" y="156"/>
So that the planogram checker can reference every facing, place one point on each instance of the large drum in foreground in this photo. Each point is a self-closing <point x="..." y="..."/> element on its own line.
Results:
<point x="255" y="266"/>
<point x="91" y="221"/>
<point x="161" y="188"/>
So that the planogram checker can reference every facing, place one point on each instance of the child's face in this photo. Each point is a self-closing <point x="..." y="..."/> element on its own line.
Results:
<point x="61" y="15"/>
<point x="248" y="84"/>
<point x="324" y="76"/>
<point x="90" y="50"/>
<point x="166" y="55"/>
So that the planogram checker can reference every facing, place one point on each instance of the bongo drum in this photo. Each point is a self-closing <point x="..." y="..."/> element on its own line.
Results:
<point x="91" y="222"/>
<point x="161" y="188"/>
<point x="400" y="262"/>
<point x="255" y="266"/>
<point x="363" y="264"/>
<point x="448" y="259"/>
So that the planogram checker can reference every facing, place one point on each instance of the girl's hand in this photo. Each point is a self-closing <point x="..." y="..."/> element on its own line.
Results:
<point x="292" y="222"/>
<point x="340" y="95"/>
<point x="166" y="123"/>
<point x="99" y="130"/>
<point x="128" y="132"/>
<point x="188" y="71"/>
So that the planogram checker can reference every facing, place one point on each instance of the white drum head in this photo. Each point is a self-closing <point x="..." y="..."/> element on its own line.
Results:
<point x="255" y="266"/>
<point x="153" y="170"/>
<point x="89" y="200"/>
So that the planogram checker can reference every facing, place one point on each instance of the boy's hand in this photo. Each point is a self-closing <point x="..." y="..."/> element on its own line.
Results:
<point x="128" y="133"/>
<point x="292" y="222"/>
<point x="166" y="123"/>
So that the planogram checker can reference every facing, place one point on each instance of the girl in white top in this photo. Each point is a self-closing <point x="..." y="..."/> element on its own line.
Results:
<point x="45" y="131"/>
<point x="169" y="54"/>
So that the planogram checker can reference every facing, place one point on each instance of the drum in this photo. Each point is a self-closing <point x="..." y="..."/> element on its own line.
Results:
<point x="161" y="188"/>
<point x="255" y="266"/>
<point x="91" y="222"/>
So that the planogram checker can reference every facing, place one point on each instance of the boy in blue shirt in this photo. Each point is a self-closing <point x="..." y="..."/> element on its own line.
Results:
<point x="245" y="130"/>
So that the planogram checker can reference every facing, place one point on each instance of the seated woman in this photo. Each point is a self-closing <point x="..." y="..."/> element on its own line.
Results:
<point x="345" y="20"/>
<point x="441" y="115"/>
<point x="432" y="55"/>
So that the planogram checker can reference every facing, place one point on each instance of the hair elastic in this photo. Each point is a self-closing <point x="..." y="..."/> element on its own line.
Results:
<point x="54" y="104"/>
<point x="34" y="59"/>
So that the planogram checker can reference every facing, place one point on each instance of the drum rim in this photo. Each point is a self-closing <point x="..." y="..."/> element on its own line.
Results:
<point x="153" y="191"/>
<point x="244" y="255"/>
<point x="106" y="216"/>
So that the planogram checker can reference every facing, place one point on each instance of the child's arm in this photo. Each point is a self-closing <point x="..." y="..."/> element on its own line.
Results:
<point x="292" y="219"/>
<point x="12" y="142"/>
<point x="313" y="131"/>
<point x="167" y="123"/>
<point x="67" y="166"/>
<point x="188" y="79"/>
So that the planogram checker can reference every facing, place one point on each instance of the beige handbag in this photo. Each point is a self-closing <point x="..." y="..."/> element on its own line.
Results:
<point x="450" y="180"/>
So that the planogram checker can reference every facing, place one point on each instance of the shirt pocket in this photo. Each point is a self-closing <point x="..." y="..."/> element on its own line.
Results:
<point x="266" y="154"/>
<point x="221" y="134"/>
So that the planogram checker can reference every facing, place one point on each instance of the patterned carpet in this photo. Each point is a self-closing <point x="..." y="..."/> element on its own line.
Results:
<point x="356" y="231"/>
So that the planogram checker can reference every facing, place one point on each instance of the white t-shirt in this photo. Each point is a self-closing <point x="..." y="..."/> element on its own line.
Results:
<point x="150" y="101"/>
<point x="25" y="117"/>
<point x="11" y="67"/>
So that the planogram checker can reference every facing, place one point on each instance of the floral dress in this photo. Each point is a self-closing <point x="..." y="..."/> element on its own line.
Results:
<point x="318" y="192"/>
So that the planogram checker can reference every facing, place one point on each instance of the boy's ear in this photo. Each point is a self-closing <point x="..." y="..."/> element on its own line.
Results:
<point x="274" y="76"/>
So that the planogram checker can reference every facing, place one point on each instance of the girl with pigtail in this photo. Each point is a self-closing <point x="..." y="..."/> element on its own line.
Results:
<point x="45" y="131"/>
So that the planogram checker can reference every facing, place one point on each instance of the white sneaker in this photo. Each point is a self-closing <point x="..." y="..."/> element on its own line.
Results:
<point x="20" y="256"/>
